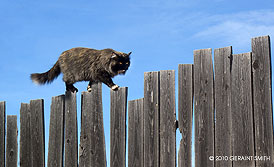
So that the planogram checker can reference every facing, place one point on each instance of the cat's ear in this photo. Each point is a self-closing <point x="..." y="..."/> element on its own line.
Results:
<point x="129" y="54"/>
<point x="114" y="55"/>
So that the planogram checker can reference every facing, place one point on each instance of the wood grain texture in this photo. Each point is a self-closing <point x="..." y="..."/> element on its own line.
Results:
<point x="222" y="67"/>
<point x="56" y="132"/>
<point x="37" y="132"/>
<point x="25" y="136"/>
<point x="167" y="119"/>
<point x="71" y="133"/>
<point x="204" y="107"/>
<point x="151" y="119"/>
<point x="262" y="99"/>
<point x="118" y="127"/>
<point x="2" y="132"/>
<point x="136" y="133"/>
<point x="12" y="145"/>
<point x="241" y="109"/>
<point x="92" y="140"/>
<point x="185" y="113"/>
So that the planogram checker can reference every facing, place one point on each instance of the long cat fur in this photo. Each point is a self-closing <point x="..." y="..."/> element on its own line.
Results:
<point x="85" y="64"/>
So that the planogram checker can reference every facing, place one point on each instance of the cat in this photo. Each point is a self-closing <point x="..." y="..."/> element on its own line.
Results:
<point x="86" y="64"/>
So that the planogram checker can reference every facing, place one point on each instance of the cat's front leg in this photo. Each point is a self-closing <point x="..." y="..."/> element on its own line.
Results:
<point x="115" y="87"/>
<point x="108" y="81"/>
<point x="89" y="86"/>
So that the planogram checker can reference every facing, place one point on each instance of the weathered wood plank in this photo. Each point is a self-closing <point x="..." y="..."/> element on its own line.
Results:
<point x="56" y="132"/>
<point x="25" y="136"/>
<point x="12" y="145"/>
<point x="204" y="107"/>
<point x="37" y="132"/>
<point x="241" y="109"/>
<point x="185" y="113"/>
<point x="92" y="140"/>
<point x="262" y="98"/>
<point x="71" y="134"/>
<point x="167" y="119"/>
<point x="222" y="67"/>
<point x="118" y="108"/>
<point x="136" y="133"/>
<point x="151" y="119"/>
<point x="2" y="132"/>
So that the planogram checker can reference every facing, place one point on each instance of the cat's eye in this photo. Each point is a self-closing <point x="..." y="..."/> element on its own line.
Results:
<point x="126" y="62"/>
<point x="120" y="63"/>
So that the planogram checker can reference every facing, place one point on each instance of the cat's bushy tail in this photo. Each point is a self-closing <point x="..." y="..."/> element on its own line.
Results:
<point x="47" y="77"/>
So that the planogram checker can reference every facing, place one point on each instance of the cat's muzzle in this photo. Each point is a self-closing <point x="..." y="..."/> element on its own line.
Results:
<point x="122" y="72"/>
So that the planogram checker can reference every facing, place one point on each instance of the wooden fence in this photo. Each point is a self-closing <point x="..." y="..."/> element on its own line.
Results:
<point x="232" y="113"/>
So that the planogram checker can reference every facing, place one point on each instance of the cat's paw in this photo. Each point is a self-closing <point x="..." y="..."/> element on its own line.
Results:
<point x="89" y="88"/>
<point x="73" y="90"/>
<point x="114" y="87"/>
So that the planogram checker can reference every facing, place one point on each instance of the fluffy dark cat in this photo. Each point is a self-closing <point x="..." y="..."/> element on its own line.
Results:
<point x="85" y="64"/>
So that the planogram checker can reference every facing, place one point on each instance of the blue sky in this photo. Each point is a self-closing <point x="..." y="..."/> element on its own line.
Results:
<point x="161" y="34"/>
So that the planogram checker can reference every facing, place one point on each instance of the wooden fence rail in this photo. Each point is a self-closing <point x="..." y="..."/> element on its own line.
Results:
<point x="231" y="104"/>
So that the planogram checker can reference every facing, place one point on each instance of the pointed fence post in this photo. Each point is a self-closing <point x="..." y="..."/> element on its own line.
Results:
<point x="12" y="145"/>
<point x="2" y="132"/>
<point x="151" y="119"/>
<point x="118" y="127"/>
<point x="136" y="133"/>
<point x="71" y="133"/>
<point x="37" y="132"/>
<point x="56" y="132"/>
<point x="167" y="119"/>
<point x="92" y="151"/>
<point x="185" y="113"/>
<point x="262" y="99"/>
<point x="204" y="107"/>
<point x="242" y="109"/>
<point x="25" y="136"/>
<point x="223" y="140"/>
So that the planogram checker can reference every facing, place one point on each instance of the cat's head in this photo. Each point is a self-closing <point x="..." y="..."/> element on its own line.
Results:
<point x="120" y="62"/>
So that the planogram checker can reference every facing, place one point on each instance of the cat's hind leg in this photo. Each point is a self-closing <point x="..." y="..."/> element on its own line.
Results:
<point x="69" y="79"/>
<point x="70" y="87"/>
